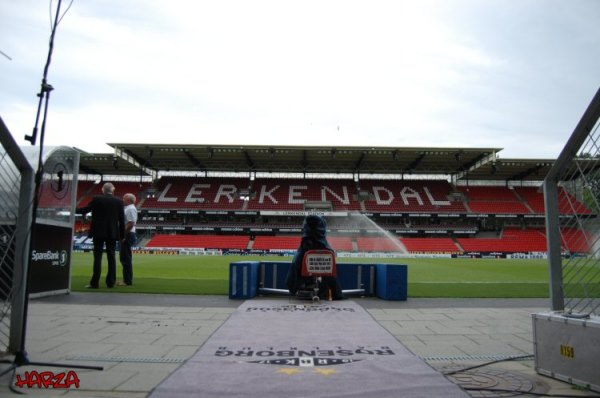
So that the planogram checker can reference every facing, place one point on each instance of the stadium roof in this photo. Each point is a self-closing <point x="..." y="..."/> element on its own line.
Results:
<point x="107" y="164"/>
<point x="512" y="170"/>
<point x="462" y="163"/>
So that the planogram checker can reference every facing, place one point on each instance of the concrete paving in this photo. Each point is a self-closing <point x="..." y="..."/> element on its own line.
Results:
<point x="140" y="339"/>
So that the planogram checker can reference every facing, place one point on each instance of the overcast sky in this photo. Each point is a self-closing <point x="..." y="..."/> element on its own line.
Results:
<point x="512" y="74"/>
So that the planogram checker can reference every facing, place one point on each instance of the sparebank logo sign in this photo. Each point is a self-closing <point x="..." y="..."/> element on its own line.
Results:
<point x="56" y="257"/>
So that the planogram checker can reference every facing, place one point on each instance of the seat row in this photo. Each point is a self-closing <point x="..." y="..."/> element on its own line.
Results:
<point x="512" y="240"/>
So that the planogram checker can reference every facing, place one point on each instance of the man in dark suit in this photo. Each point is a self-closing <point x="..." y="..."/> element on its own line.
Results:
<point x="108" y="226"/>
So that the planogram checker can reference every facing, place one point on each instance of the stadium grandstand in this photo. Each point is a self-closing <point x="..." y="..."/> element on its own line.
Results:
<point x="212" y="199"/>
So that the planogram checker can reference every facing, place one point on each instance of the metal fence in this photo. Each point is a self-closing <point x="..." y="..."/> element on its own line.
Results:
<point x="572" y="200"/>
<point x="16" y="205"/>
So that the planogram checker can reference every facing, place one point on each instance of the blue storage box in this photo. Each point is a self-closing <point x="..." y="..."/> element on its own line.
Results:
<point x="273" y="274"/>
<point x="357" y="276"/>
<point x="243" y="279"/>
<point x="392" y="281"/>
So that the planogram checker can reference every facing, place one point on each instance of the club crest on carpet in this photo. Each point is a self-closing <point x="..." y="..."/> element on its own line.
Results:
<point x="300" y="308"/>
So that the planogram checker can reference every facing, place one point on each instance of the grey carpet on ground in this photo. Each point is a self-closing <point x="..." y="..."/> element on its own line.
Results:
<point x="278" y="348"/>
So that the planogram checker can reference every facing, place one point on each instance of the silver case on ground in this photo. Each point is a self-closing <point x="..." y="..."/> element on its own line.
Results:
<point x="567" y="348"/>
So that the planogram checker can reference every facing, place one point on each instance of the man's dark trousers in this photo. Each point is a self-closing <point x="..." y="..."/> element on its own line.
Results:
<point x="126" y="257"/>
<point x="111" y="275"/>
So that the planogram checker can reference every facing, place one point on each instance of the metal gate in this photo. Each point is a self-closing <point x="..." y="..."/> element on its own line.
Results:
<point x="567" y="338"/>
<point x="16" y="210"/>
<point x="572" y="198"/>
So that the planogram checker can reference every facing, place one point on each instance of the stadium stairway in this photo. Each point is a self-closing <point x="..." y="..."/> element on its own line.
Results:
<point x="524" y="201"/>
<point x="363" y="208"/>
<point x="85" y="195"/>
<point x="141" y="201"/>
<point x="466" y="203"/>
<point x="143" y="242"/>
<point x="460" y="247"/>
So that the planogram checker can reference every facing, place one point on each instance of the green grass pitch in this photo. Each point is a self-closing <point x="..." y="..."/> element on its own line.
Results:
<point x="439" y="277"/>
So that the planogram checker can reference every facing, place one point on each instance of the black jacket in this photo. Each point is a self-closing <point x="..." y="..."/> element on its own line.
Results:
<point x="108" y="217"/>
<point x="314" y="237"/>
